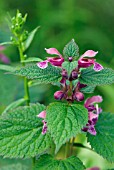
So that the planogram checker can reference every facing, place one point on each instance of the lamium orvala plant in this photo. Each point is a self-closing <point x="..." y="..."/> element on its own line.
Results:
<point x="39" y="132"/>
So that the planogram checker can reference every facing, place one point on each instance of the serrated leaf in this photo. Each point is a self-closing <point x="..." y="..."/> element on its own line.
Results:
<point x="69" y="66"/>
<point x="71" y="50"/>
<point x="47" y="162"/>
<point x="65" y="121"/>
<point x="15" y="167"/>
<point x="21" y="133"/>
<point x="13" y="105"/>
<point x="103" y="142"/>
<point x="88" y="89"/>
<point x="30" y="38"/>
<point x="7" y="68"/>
<point x="50" y="74"/>
<point x="91" y="77"/>
<point x="32" y="59"/>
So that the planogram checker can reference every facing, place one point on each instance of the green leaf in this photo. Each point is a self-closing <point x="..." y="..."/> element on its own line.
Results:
<point x="7" y="68"/>
<point x="47" y="162"/>
<point x="71" y="50"/>
<point x="15" y="167"/>
<point x="9" y="88"/>
<point x="103" y="142"/>
<point x="65" y="121"/>
<point x="50" y="74"/>
<point x="88" y="89"/>
<point x="21" y="133"/>
<point x="32" y="59"/>
<point x="91" y="77"/>
<point x="6" y="43"/>
<point x="13" y="105"/>
<point x="30" y="37"/>
<point x="69" y="66"/>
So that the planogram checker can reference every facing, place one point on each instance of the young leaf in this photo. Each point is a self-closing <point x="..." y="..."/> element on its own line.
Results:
<point x="7" y="68"/>
<point x="50" y="74"/>
<point x="103" y="142"/>
<point x="13" y="105"/>
<point x="65" y="121"/>
<point x="21" y="133"/>
<point x="47" y="162"/>
<point x="69" y="66"/>
<point x="91" y="77"/>
<point x="30" y="37"/>
<point x="32" y="59"/>
<point x="71" y="50"/>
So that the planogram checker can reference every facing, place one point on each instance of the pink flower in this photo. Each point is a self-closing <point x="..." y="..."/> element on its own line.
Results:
<point x="43" y="115"/>
<point x="3" y="58"/>
<point x="56" y="61"/>
<point x="84" y="62"/>
<point x="93" y="113"/>
<point x="58" y="95"/>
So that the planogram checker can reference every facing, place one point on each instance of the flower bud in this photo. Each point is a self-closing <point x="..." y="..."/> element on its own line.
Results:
<point x="64" y="74"/>
<point x="73" y="76"/>
<point x="79" y="96"/>
<point x="58" y="95"/>
<point x="70" y="59"/>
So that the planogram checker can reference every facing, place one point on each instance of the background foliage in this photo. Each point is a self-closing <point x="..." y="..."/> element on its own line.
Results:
<point x="90" y="23"/>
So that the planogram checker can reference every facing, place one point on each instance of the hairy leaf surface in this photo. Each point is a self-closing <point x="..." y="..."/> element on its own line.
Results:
<point x="91" y="77"/>
<point x="103" y="142"/>
<point x="69" y="66"/>
<point x="65" y="121"/>
<point x="20" y="133"/>
<point x="50" y="74"/>
<point x="71" y="50"/>
<point x="47" y="162"/>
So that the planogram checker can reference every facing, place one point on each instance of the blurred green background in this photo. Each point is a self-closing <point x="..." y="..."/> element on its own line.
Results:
<point x="89" y="22"/>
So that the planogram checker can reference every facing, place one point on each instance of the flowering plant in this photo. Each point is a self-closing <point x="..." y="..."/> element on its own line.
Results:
<point x="38" y="131"/>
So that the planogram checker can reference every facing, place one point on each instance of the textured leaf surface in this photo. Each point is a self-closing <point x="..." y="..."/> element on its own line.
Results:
<point x="71" y="50"/>
<point x="88" y="89"/>
<point x="69" y="66"/>
<point x="20" y="133"/>
<point x="65" y="121"/>
<point x="48" y="75"/>
<point x="91" y="77"/>
<point x="47" y="162"/>
<point x="15" y="167"/>
<point x="103" y="142"/>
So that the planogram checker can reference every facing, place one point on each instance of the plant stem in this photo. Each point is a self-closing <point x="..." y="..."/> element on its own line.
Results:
<point x="67" y="150"/>
<point x="26" y="88"/>
<point x="71" y="146"/>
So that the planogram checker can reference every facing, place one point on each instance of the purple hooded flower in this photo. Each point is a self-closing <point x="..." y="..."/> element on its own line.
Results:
<point x="84" y="62"/>
<point x="56" y="61"/>
<point x="93" y="113"/>
<point x="3" y="58"/>
<point x="43" y="115"/>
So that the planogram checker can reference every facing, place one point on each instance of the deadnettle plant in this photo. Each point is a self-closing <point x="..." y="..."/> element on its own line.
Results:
<point x="48" y="134"/>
